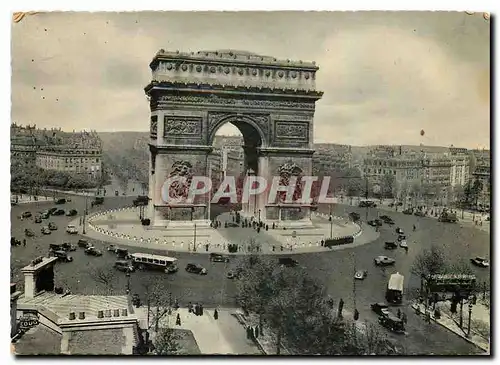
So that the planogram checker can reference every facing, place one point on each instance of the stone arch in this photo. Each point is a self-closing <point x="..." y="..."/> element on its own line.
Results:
<point x="246" y="124"/>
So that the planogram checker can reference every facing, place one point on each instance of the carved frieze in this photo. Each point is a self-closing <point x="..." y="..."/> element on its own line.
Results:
<point x="163" y="101"/>
<point x="153" y="130"/>
<point x="183" y="127"/>
<point x="292" y="130"/>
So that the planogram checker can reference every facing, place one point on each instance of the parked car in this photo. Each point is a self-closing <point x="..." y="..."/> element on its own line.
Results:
<point x="384" y="261"/>
<point x="55" y="247"/>
<point x="59" y="212"/>
<point x="45" y="215"/>
<point x="381" y="309"/>
<point x="92" y="251"/>
<point x="29" y="233"/>
<point x="46" y="230"/>
<point x="72" y="213"/>
<point x="84" y="244"/>
<point x="217" y="257"/>
<point x="62" y="256"/>
<point x="38" y="219"/>
<point x="287" y="262"/>
<point x="123" y="265"/>
<point x="52" y="226"/>
<point x="360" y="274"/>
<point x="480" y="261"/>
<point x="196" y="269"/>
<point x="390" y="245"/>
<point x="393" y="323"/>
<point x="71" y="229"/>
<point x="26" y="214"/>
<point x="61" y="201"/>
<point x="66" y="246"/>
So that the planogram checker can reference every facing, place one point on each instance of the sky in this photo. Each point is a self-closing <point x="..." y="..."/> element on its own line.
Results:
<point x="386" y="76"/>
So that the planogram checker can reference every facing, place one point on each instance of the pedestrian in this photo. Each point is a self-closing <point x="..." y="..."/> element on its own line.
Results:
<point x="322" y="243"/>
<point x="216" y="314"/>
<point x="200" y="309"/>
<point x="24" y="242"/>
<point x="404" y="318"/>
<point x="399" y="313"/>
<point x="178" y="320"/>
<point x="195" y="309"/>
<point x="274" y="248"/>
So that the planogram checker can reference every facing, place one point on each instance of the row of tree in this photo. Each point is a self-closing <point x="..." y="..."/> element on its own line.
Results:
<point x="29" y="178"/>
<point x="296" y="310"/>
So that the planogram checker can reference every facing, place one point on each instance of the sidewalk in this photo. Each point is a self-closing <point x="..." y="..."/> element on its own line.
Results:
<point x="25" y="199"/>
<point x="212" y="336"/>
<point x="480" y="322"/>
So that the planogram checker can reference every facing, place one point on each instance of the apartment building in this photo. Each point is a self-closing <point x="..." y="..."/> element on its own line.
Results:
<point x="330" y="158"/>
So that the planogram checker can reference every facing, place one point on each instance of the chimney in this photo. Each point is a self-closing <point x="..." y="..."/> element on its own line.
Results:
<point x="72" y="316"/>
<point x="116" y="313"/>
<point x="100" y="314"/>
<point x="124" y="312"/>
<point x="81" y="315"/>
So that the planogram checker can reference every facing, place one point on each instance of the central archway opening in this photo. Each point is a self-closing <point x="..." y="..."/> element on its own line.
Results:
<point x="235" y="153"/>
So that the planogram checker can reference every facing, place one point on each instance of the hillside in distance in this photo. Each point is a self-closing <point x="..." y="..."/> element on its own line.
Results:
<point x="125" y="155"/>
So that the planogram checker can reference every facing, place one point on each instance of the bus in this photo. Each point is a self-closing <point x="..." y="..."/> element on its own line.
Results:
<point x="394" y="294"/>
<point x="146" y="261"/>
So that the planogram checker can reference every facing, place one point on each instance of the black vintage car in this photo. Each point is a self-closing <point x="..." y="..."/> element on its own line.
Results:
<point x="62" y="256"/>
<point x="15" y="242"/>
<point x="61" y="201"/>
<point x="386" y="219"/>
<point x="66" y="246"/>
<point x="84" y="243"/>
<point x="196" y="269"/>
<point x="92" y="251"/>
<point x="26" y="214"/>
<point x="393" y="323"/>
<point x="52" y="226"/>
<point x="354" y="216"/>
<point x="38" y="219"/>
<point x="99" y="200"/>
<point x="287" y="262"/>
<point x="381" y="309"/>
<point x="29" y="233"/>
<point x="59" y="212"/>
<point x="390" y="245"/>
<point x="72" y="213"/>
<point x="52" y="210"/>
<point x="141" y="200"/>
<point x="217" y="257"/>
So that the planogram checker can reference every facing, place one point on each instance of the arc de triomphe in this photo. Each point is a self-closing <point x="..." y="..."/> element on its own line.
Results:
<point x="191" y="95"/>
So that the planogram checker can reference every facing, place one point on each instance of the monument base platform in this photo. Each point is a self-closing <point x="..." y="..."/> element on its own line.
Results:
<point x="180" y="225"/>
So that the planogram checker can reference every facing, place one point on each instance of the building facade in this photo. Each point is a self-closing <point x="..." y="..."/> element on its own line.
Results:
<point x="331" y="158"/>
<point x="70" y="159"/>
<point x="460" y="164"/>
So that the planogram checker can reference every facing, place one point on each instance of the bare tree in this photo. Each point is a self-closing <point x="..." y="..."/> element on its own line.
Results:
<point x="428" y="262"/>
<point x="158" y="302"/>
<point x="166" y="342"/>
<point x="105" y="277"/>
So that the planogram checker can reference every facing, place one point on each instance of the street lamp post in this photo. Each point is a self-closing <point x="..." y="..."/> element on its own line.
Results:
<point x="85" y="213"/>
<point x="259" y="216"/>
<point x="194" y="238"/>
<point x="128" y="282"/>
<point x="330" y="218"/>
<point x="470" y="315"/>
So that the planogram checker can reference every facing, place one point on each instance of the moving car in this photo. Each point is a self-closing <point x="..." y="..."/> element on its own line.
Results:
<point x="381" y="309"/>
<point x="71" y="229"/>
<point x="196" y="269"/>
<point x="92" y="251"/>
<point x="62" y="256"/>
<point x="408" y="211"/>
<point x="84" y="243"/>
<point x="384" y="261"/>
<point x="45" y="215"/>
<point x="38" y="219"/>
<point x="401" y="237"/>
<point x="403" y="244"/>
<point x="55" y="247"/>
<point x="367" y="204"/>
<point x="393" y="323"/>
<point x="390" y="245"/>
<point x="61" y="201"/>
<point x="480" y="261"/>
<point x="141" y="200"/>
<point x="399" y="231"/>
<point x="97" y="201"/>
<point x="29" y="233"/>
<point x="52" y="226"/>
<point x="386" y="219"/>
<point x="354" y="216"/>
<point x="123" y="265"/>
<point x="66" y="246"/>
<point x="234" y="274"/>
<point x="216" y="257"/>
<point x="26" y="214"/>
<point x="46" y="230"/>
<point x="419" y="213"/>
<point x="59" y="212"/>
<point x="122" y="253"/>
<point x="287" y="262"/>
<point x="72" y="213"/>
<point x="52" y="210"/>
<point x="360" y="274"/>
